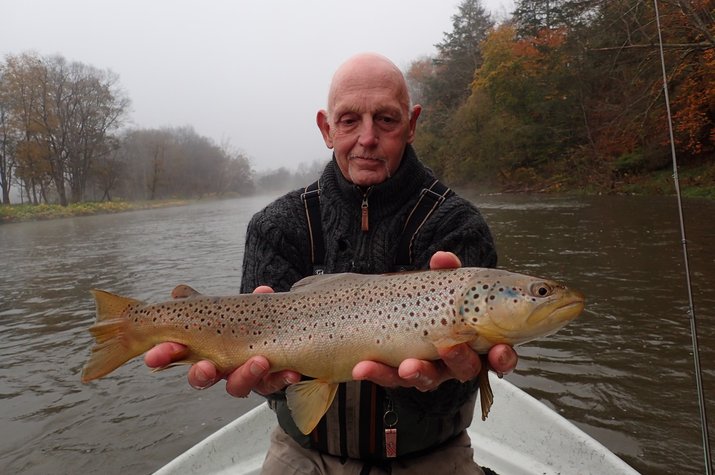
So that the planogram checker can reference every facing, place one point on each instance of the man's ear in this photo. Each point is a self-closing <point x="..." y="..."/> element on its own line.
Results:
<point x="416" y="110"/>
<point x="324" y="126"/>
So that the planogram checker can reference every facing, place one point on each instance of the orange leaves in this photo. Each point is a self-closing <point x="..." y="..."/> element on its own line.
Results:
<point x="694" y="105"/>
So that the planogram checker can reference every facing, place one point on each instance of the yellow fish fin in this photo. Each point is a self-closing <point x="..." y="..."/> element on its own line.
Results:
<point x="325" y="282"/>
<point x="456" y="337"/>
<point x="486" y="396"/>
<point x="183" y="291"/>
<point x="114" y="343"/>
<point x="308" y="401"/>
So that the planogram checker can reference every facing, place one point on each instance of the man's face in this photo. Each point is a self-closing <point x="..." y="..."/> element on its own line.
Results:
<point x="368" y="125"/>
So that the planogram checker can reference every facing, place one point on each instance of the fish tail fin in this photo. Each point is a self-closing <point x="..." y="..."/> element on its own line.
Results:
<point x="114" y="342"/>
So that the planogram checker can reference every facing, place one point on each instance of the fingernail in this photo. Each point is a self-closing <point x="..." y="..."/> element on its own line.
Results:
<point x="456" y="353"/>
<point x="256" y="369"/>
<point x="202" y="379"/>
<point x="414" y="375"/>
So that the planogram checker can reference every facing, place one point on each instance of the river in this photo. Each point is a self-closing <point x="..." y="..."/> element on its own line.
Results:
<point x="623" y="372"/>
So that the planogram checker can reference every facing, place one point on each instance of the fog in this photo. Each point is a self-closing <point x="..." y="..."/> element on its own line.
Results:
<point x="251" y="75"/>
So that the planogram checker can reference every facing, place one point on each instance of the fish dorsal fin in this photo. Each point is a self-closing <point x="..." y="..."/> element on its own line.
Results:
<point x="326" y="281"/>
<point x="111" y="306"/>
<point x="308" y="401"/>
<point x="183" y="291"/>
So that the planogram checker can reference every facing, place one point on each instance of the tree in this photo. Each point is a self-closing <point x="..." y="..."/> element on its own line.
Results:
<point x="444" y="84"/>
<point x="521" y="116"/>
<point x="63" y="114"/>
<point x="8" y="141"/>
<point x="459" y="54"/>
<point x="177" y="162"/>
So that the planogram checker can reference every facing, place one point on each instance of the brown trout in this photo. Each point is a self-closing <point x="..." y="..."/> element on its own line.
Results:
<point x="327" y="324"/>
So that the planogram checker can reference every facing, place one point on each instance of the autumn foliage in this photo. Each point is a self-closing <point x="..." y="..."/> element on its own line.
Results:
<point x="571" y="93"/>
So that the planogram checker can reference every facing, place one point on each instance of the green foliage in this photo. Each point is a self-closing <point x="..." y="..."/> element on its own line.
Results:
<point x="29" y="212"/>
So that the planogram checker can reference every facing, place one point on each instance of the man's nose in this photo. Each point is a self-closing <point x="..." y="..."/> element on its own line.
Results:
<point x="368" y="133"/>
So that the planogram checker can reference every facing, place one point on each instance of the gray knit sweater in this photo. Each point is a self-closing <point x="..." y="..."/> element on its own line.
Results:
<point x="277" y="253"/>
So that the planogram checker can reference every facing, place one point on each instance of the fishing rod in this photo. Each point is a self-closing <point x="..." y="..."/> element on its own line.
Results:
<point x="691" y="306"/>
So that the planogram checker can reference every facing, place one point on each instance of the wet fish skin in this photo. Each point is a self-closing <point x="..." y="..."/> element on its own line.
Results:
<point x="327" y="324"/>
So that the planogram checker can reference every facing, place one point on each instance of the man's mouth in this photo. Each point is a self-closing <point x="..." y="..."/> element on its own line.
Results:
<point x="361" y="157"/>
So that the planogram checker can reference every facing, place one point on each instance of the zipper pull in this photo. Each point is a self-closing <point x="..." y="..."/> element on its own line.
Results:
<point x="389" y="420"/>
<point x="364" y="223"/>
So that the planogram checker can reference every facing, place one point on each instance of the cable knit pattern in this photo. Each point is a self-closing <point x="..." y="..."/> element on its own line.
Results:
<point x="277" y="254"/>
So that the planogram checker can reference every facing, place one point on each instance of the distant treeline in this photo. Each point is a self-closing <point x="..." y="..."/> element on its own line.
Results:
<point x="60" y="141"/>
<point x="567" y="93"/>
<point x="564" y="94"/>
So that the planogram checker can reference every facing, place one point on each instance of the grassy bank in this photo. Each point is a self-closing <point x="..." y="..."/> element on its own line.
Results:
<point x="696" y="181"/>
<point x="27" y="212"/>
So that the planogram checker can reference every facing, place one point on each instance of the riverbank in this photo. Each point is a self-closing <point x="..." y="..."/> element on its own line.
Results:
<point x="29" y="212"/>
<point x="696" y="181"/>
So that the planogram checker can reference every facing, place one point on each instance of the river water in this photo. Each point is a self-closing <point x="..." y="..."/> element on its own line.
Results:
<point x="623" y="372"/>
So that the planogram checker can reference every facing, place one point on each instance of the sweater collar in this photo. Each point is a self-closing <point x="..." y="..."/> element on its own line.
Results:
<point x="384" y="198"/>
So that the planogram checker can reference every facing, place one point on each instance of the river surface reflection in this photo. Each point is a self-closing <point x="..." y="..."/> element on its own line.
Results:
<point x="623" y="372"/>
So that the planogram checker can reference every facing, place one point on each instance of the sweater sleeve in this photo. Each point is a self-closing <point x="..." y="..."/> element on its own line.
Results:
<point x="276" y="251"/>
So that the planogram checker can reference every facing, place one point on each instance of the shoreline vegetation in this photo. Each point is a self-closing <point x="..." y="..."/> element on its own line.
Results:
<point x="695" y="182"/>
<point x="15" y="213"/>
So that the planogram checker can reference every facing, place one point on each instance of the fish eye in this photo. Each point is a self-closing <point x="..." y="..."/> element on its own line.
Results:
<point x="541" y="289"/>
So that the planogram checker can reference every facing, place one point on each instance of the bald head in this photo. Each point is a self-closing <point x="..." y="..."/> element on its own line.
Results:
<point x="365" y="70"/>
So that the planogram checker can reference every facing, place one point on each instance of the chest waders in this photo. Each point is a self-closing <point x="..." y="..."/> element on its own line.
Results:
<point x="377" y="435"/>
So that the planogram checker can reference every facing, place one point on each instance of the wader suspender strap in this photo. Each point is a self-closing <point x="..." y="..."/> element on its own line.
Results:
<point x="372" y="397"/>
<point x="430" y="199"/>
<point x="311" y="202"/>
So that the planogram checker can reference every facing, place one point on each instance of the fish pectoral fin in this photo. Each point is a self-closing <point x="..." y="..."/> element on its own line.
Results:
<point x="174" y="364"/>
<point x="308" y="401"/>
<point x="486" y="396"/>
<point x="456" y="337"/>
<point x="183" y="291"/>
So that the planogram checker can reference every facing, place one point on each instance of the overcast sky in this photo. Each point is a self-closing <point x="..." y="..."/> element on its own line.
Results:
<point x="251" y="74"/>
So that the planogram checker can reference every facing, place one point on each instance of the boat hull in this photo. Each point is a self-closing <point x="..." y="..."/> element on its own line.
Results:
<point x="521" y="436"/>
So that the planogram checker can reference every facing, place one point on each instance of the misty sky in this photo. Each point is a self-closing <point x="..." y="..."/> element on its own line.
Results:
<point x="250" y="74"/>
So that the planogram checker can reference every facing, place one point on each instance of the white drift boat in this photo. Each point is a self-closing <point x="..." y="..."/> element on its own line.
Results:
<point x="521" y="436"/>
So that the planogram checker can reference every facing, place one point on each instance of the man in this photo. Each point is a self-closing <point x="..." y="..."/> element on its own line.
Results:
<point x="367" y="193"/>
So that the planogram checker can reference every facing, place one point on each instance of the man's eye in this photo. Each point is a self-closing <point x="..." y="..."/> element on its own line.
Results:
<point x="387" y="122"/>
<point x="347" y="121"/>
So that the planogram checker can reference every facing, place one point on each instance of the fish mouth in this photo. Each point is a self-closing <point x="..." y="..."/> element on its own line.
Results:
<point x="563" y="313"/>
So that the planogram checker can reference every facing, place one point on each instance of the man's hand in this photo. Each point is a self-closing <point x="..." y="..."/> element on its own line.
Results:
<point x="458" y="362"/>
<point x="253" y="375"/>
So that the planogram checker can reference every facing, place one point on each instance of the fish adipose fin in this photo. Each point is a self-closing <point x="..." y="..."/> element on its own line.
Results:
<point x="114" y="344"/>
<point x="308" y="401"/>
<point x="183" y="291"/>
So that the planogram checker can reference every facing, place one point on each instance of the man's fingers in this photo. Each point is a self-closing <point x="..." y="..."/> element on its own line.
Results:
<point x="503" y="359"/>
<point x="463" y="363"/>
<point x="203" y="375"/>
<point x="164" y="354"/>
<point x="423" y="375"/>
<point x="378" y="373"/>
<point x="273" y="382"/>
<point x="444" y="260"/>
